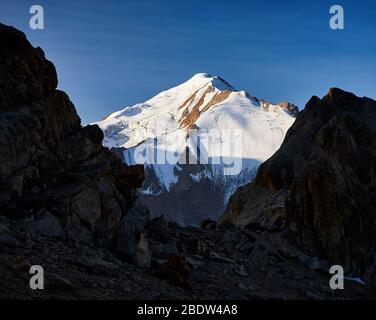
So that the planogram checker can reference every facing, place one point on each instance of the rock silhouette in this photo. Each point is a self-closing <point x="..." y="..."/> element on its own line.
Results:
<point x="52" y="169"/>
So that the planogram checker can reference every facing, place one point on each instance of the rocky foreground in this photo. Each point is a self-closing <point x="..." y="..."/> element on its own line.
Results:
<point x="69" y="205"/>
<point x="185" y="263"/>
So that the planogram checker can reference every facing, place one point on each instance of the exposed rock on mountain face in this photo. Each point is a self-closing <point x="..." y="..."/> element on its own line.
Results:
<point x="52" y="169"/>
<point x="321" y="184"/>
<point x="287" y="106"/>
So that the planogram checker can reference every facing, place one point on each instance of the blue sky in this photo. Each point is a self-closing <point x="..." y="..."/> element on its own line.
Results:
<point x="114" y="53"/>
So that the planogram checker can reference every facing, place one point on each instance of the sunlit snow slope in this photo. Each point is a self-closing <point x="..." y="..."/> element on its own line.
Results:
<point x="174" y="120"/>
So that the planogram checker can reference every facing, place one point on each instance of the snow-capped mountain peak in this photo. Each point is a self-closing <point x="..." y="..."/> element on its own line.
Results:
<point x="202" y="104"/>
<point x="172" y="109"/>
<point x="199" y="80"/>
<point x="178" y="107"/>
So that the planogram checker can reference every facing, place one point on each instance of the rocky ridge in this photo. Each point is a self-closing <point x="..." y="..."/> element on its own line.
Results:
<point x="319" y="187"/>
<point x="54" y="172"/>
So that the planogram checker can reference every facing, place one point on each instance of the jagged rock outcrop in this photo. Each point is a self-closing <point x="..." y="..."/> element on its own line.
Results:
<point x="52" y="170"/>
<point x="320" y="187"/>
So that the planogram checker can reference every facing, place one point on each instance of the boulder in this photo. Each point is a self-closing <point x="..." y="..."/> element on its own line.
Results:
<point x="176" y="272"/>
<point x="87" y="206"/>
<point x="158" y="229"/>
<point x="47" y="225"/>
<point x="131" y="227"/>
<point x="142" y="256"/>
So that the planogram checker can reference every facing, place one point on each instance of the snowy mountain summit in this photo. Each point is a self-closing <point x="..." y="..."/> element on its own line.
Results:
<point x="199" y="142"/>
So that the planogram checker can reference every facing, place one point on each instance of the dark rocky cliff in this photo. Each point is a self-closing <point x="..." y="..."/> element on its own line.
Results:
<point x="320" y="187"/>
<point x="53" y="170"/>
